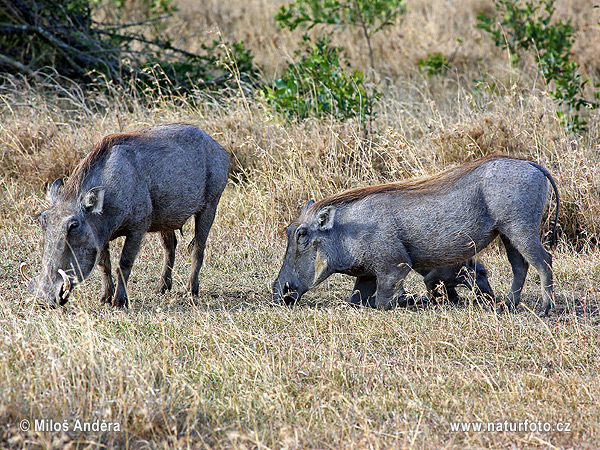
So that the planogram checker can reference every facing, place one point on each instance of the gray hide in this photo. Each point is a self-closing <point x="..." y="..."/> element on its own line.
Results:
<point x="469" y="273"/>
<point x="379" y="234"/>
<point x="130" y="184"/>
<point x="440" y="282"/>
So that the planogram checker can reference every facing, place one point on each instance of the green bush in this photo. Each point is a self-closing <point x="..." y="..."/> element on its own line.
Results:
<point x="317" y="85"/>
<point x="41" y="35"/>
<point x="370" y="16"/>
<point x="434" y="64"/>
<point x="530" y="27"/>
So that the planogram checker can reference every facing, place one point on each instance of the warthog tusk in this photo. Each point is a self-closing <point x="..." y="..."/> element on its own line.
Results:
<point x="287" y="287"/>
<point x="66" y="283"/>
<point x="22" y="268"/>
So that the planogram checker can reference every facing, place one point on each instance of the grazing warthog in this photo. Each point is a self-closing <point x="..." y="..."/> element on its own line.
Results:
<point x="379" y="233"/>
<point x="467" y="273"/>
<point x="128" y="185"/>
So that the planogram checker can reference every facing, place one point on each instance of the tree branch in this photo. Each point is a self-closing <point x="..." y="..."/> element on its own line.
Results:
<point x="8" y="60"/>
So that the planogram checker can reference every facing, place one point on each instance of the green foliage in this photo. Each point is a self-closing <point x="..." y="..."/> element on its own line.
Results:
<point x="218" y="65"/>
<point x="317" y="85"/>
<point x="374" y="14"/>
<point x="150" y="7"/>
<point x="40" y="34"/>
<point x="522" y="28"/>
<point x="434" y="64"/>
<point x="370" y="15"/>
<point x="530" y="27"/>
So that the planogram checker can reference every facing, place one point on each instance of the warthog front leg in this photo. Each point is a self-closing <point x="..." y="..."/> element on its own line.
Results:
<point x="108" y="286"/>
<point x="131" y="247"/>
<point x="390" y="286"/>
<point x="362" y="293"/>
<point x="435" y="288"/>
<point x="169" y="242"/>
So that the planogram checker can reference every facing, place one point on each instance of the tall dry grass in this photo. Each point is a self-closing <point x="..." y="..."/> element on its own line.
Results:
<point x="419" y="131"/>
<point x="230" y="370"/>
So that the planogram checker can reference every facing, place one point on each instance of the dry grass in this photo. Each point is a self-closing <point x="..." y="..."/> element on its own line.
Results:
<point x="230" y="370"/>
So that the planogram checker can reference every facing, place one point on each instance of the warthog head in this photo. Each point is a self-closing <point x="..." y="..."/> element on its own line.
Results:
<point x="70" y="250"/>
<point x="305" y="264"/>
<point x="477" y="273"/>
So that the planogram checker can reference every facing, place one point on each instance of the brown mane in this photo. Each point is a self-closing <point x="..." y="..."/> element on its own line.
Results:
<point x="431" y="183"/>
<point x="73" y="184"/>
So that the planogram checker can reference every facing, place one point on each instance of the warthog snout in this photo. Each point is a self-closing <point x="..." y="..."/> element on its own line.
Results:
<point x="59" y="289"/>
<point x="284" y="293"/>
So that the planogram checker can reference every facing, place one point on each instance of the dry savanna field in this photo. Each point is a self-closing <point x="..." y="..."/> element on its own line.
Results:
<point x="231" y="370"/>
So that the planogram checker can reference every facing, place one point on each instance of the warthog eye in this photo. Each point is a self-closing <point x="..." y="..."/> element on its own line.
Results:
<point x="301" y="233"/>
<point x="302" y="236"/>
<point x="73" y="225"/>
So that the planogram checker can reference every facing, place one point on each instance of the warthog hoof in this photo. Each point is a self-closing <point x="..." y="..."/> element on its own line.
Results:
<point x="163" y="286"/>
<point x="121" y="301"/>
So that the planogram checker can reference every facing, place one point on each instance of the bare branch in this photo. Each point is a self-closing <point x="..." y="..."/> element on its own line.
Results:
<point x="10" y="61"/>
<point x="116" y="26"/>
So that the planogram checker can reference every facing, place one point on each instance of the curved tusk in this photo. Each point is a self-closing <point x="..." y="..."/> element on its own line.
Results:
<point x="287" y="287"/>
<point x="22" y="268"/>
<point x="66" y="283"/>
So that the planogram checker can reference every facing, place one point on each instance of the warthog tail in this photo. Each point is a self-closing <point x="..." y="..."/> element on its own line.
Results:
<point x="553" y="183"/>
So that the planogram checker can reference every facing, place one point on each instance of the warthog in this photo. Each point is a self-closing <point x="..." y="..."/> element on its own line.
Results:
<point x="467" y="273"/>
<point x="153" y="180"/>
<point x="470" y="274"/>
<point x="379" y="233"/>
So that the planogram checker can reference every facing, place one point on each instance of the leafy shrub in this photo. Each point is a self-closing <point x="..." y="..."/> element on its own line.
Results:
<point x="41" y="34"/>
<point x="434" y="64"/>
<point x="370" y="16"/>
<point x="317" y="85"/>
<point x="520" y="29"/>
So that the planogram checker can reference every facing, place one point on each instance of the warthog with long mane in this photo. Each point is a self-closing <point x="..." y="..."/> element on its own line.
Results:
<point x="153" y="180"/>
<point x="379" y="233"/>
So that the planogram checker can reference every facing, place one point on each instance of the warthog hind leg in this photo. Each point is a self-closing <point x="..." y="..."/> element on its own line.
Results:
<point x="519" y="268"/>
<point x="169" y="242"/>
<point x="534" y="253"/>
<point x="204" y="220"/>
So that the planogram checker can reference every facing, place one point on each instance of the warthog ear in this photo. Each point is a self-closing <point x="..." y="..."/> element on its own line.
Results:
<point x="53" y="191"/>
<point x="325" y="218"/>
<point x="94" y="200"/>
